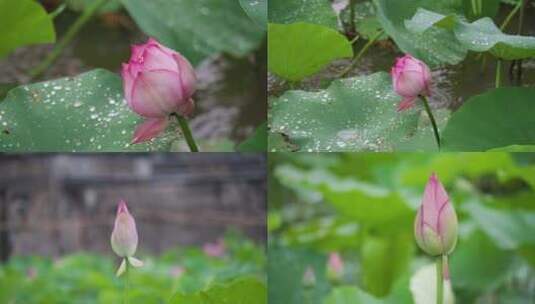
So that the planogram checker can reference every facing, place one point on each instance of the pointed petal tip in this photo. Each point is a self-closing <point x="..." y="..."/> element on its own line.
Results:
<point x="122" y="207"/>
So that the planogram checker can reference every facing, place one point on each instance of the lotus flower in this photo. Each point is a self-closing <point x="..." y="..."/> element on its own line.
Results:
<point x="435" y="227"/>
<point x="411" y="78"/>
<point x="157" y="82"/>
<point x="124" y="238"/>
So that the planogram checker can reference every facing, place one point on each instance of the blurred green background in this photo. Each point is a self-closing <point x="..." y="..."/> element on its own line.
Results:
<point x="178" y="276"/>
<point x="341" y="227"/>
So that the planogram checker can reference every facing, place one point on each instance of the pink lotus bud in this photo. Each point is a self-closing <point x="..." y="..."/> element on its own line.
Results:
<point x="411" y="78"/>
<point x="435" y="227"/>
<point x="216" y="249"/>
<point x="335" y="264"/>
<point x="158" y="81"/>
<point x="124" y="238"/>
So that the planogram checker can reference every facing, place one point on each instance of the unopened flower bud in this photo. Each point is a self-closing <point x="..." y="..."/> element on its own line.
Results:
<point x="435" y="227"/>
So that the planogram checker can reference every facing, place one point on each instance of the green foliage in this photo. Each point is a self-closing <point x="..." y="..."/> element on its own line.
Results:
<point x="185" y="275"/>
<point x="80" y="5"/>
<point x="435" y="46"/>
<point x="83" y="113"/>
<point x="257" y="142"/>
<point x="310" y="11"/>
<point x="243" y="291"/>
<point x="362" y="206"/>
<point x="504" y="117"/>
<point x="257" y="11"/>
<point x="197" y="28"/>
<point x="365" y="19"/>
<point x="298" y="50"/>
<point x="480" y="36"/>
<point x="23" y="22"/>
<point x="354" y="114"/>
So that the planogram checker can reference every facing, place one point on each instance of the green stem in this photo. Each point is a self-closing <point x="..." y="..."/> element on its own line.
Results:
<point x="126" y="282"/>
<point x="433" y="121"/>
<point x="440" y="280"/>
<point x="352" y="27"/>
<point x="362" y="51"/>
<point x="498" y="73"/>
<point x="511" y="15"/>
<point x="71" y="33"/>
<point x="57" y="11"/>
<point x="187" y="132"/>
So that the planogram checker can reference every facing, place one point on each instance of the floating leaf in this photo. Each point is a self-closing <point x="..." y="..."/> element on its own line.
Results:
<point x="435" y="46"/>
<point x="480" y="36"/>
<point x="498" y="118"/>
<point x="299" y="50"/>
<point x="23" y="22"/>
<point x="197" y="28"/>
<point x="353" y="114"/>
<point x="257" y="11"/>
<point x="84" y="113"/>
<point x="309" y="11"/>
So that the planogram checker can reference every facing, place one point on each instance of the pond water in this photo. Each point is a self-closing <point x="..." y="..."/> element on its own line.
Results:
<point x="453" y="85"/>
<point x="232" y="91"/>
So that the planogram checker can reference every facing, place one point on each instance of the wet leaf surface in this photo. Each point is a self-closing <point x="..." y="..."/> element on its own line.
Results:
<point x="353" y="114"/>
<point x="310" y="11"/>
<point x="436" y="46"/>
<point x="84" y="113"/>
<point x="480" y="36"/>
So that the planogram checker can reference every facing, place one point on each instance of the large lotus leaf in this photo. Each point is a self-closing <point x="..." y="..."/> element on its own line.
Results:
<point x="298" y="50"/>
<point x="23" y="22"/>
<point x="84" y="113"/>
<point x="384" y="260"/>
<point x="197" y="28"/>
<point x="478" y="264"/>
<point x="498" y="118"/>
<point x="353" y="114"/>
<point x="310" y="11"/>
<point x="435" y="46"/>
<point x="480" y="36"/>
<point x="509" y="229"/>
<point x="257" y="11"/>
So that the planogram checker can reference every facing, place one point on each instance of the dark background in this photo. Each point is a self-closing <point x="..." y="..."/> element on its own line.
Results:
<point x="57" y="204"/>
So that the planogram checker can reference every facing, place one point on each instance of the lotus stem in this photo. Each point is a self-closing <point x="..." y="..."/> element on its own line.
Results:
<point x="440" y="280"/>
<point x="511" y="15"/>
<point x="352" y="27"/>
<point x="433" y="121"/>
<point x="186" y="131"/>
<point x="498" y="73"/>
<point x="38" y="71"/>
<point x="362" y="51"/>
<point x="57" y="11"/>
<point x="126" y="282"/>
